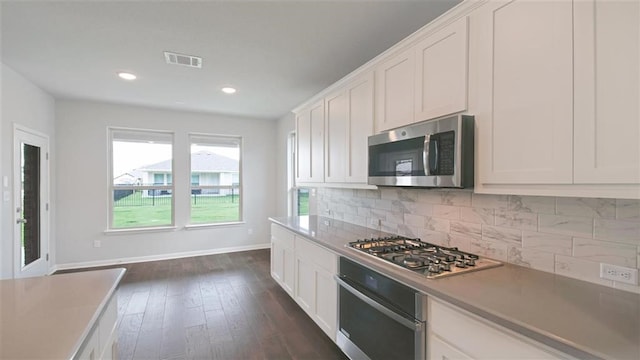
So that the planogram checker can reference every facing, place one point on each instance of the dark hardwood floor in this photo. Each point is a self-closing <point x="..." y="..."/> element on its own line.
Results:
<point x="223" y="306"/>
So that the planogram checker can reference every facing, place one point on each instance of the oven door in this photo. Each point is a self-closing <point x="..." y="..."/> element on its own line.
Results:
<point x="370" y="328"/>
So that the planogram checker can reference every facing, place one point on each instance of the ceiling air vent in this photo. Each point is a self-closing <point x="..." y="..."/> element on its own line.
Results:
<point x="184" y="60"/>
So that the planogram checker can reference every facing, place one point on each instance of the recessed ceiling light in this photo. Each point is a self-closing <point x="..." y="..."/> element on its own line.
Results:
<point x="127" y="76"/>
<point x="228" y="90"/>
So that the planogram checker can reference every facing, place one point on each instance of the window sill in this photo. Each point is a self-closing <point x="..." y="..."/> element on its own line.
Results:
<point x="208" y="226"/>
<point x="140" y="230"/>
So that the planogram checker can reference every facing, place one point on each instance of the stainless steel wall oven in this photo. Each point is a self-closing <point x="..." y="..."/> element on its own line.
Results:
<point x="379" y="318"/>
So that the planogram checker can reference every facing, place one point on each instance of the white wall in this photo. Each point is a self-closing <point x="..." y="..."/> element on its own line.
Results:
<point x="286" y="125"/>
<point x="24" y="104"/>
<point x="82" y="191"/>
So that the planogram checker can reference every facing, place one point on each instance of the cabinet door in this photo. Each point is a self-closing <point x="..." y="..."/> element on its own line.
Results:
<point x="359" y="127"/>
<point x="522" y="83"/>
<point x="395" y="91"/>
<point x="282" y="257"/>
<point x="310" y="144"/>
<point x="607" y="92"/>
<point x="489" y="341"/>
<point x="441" y="350"/>
<point x="303" y="146"/>
<point x="441" y="72"/>
<point x="326" y="310"/>
<point x="336" y="139"/>
<point x="305" y="284"/>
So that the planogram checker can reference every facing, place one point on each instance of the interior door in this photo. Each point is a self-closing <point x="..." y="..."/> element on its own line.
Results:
<point x="31" y="202"/>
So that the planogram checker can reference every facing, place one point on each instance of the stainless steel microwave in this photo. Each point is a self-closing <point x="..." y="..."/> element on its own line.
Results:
<point x="434" y="153"/>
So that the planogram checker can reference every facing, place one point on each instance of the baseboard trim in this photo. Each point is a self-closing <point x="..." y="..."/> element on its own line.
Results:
<point x="139" y="259"/>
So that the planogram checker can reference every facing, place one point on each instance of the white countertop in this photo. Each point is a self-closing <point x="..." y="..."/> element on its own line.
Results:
<point x="49" y="317"/>
<point x="579" y="318"/>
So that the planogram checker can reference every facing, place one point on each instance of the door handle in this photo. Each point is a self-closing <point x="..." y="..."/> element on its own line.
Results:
<point x="21" y="221"/>
<point x="425" y="155"/>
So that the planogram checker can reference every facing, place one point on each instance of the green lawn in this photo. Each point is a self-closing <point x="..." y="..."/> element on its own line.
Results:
<point x="303" y="203"/>
<point x="136" y="210"/>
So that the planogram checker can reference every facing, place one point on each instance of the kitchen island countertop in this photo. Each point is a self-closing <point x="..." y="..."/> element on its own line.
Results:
<point x="578" y="318"/>
<point x="49" y="317"/>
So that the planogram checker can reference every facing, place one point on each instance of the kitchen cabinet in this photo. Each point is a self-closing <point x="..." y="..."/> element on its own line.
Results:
<point x="555" y="87"/>
<point x="64" y="316"/>
<point x="607" y="92"/>
<point x="310" y="144"/>
<point x="336" y="154"/>
<point x="282" y="257"/>
<point x="522" y="65"/>
<point x="316" y="291"/>
<point x="349" y="122"/>
<point x="102" y="341"/>
<point x="426" y="81"/>
<point x="480" y="339"/>
<point x="306" y="272"/>
<point x="395" y="92"/>
<point x="441" y="72"/>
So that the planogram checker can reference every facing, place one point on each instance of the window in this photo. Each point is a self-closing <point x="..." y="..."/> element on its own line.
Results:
<point x="298" y="197"/>
<point x="215" y="179"/>
<point x="302" y="196"/>
<point x="142" y="186"/>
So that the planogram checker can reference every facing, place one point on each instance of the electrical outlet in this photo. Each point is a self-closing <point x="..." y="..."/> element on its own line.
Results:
<point x="375" y="223"/>
<point x="250" y="231"/>
<point x="619" y="273"/>
<point x="97" y="243"/>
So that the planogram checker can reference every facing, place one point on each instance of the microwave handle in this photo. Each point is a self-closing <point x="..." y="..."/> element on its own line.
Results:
<point x="425" y="154"/>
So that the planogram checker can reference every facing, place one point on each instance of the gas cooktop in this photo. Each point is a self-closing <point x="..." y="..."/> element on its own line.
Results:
<point x="431" y="260"/>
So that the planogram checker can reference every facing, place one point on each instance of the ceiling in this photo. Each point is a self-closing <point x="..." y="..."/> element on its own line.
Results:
<point x="276" y="53"/>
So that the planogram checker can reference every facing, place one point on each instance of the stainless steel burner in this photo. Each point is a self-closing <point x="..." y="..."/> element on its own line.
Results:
<point x="422" y="257"/>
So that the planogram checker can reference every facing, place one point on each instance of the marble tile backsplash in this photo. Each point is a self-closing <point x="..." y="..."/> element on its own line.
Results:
<point x="566" y="236"/>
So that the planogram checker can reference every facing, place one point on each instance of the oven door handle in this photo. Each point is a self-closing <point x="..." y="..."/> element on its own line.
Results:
<point x="414" y="325"/>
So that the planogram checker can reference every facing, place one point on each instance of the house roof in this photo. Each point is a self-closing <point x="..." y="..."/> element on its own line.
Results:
<point x="202" y="162"/>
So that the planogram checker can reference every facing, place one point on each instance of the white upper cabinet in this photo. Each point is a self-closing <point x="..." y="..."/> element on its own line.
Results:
<point x="426" y="81"/>
<point x="607" y="92"/>
<point x="336" y="139"/>
<point x="347" y="117"/>
<point x="441" y="72"/>
<point x="521" y="62"/>
<point x="310" y="144"/>
<point x="359" y="95"/>
<point x="395" y="91"/>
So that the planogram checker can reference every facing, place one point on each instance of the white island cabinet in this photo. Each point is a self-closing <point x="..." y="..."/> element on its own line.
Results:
<point x="456" y="334"/>
<point x="67" y="316"/>
<point x="311" y="283"/>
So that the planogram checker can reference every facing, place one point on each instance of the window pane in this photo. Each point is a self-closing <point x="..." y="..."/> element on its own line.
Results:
<point x="141" y="208"/>
<point x="141" y="158"/>
<point x="215" y="179"/>
<point x="303" y="202"/>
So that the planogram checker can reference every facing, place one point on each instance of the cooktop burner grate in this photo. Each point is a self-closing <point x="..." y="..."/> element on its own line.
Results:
<point x="433" y="261"/>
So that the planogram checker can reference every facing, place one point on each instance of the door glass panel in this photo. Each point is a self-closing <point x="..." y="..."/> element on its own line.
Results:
<point x="30" y="204"/>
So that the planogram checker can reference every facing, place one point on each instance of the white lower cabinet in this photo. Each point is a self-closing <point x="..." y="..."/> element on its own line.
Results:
<point x="457" y="334"/>
<point x="102" y="341"/>
<point x="311" y="283"/>
<point x="282" y="257"/>
<point x="442" y="350"/>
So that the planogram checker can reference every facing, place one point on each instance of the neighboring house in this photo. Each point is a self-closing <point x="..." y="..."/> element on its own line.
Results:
<point x="128" y="178"/>
<point x="208" y="169"/>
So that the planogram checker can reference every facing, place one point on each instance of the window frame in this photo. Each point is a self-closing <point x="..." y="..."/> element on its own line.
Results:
<point x="111" y="188"/>
<point x="240" y="186"/>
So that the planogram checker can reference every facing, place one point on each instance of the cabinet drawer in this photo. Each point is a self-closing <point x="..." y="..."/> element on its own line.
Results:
<point x="311" y="252"/>
<point x="284" y="237"/>
<point x="482" y="339"/>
